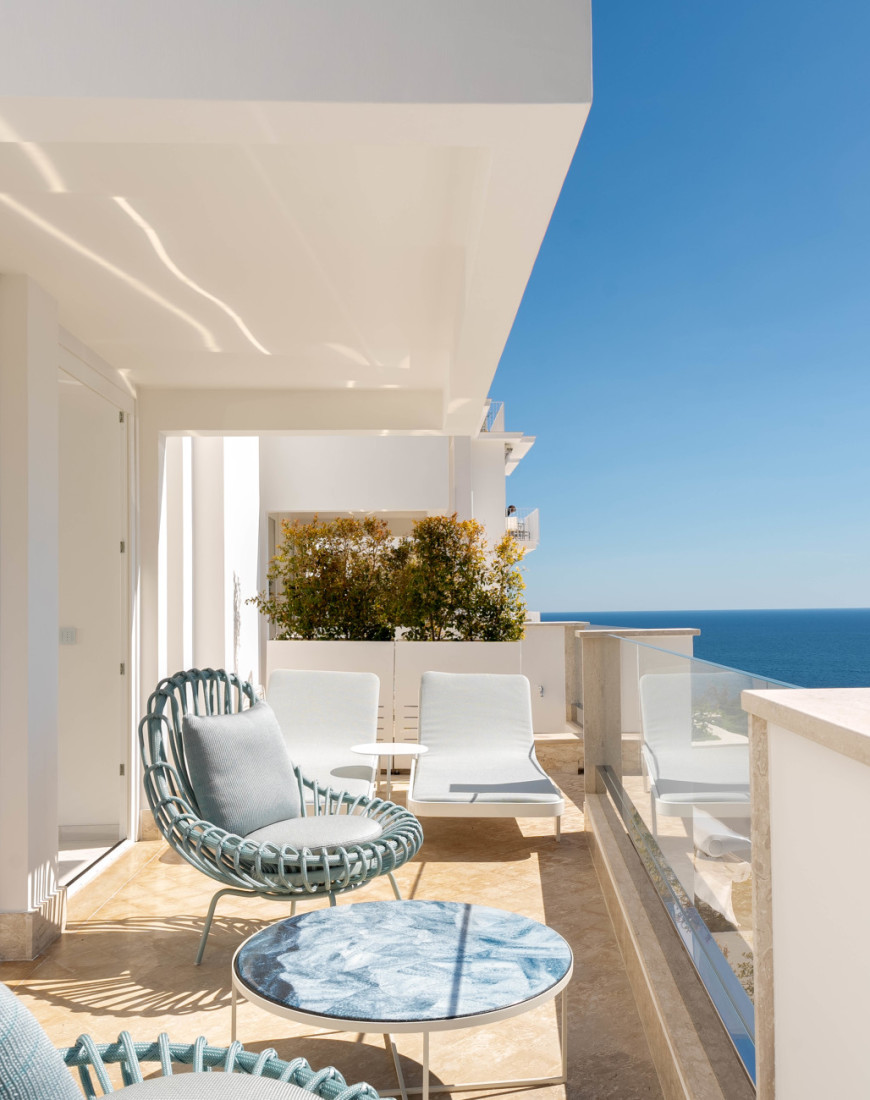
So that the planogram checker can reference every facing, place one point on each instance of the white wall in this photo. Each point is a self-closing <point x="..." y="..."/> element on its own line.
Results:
<point x="29" y="602"/>
<point x="821" y="895"/>
<point x="209" y="552"/>
<point x="543" y="653"/>
<point x="310" y="473"/>
<point x="540" y="656"/>
<point x="92" y="523"/>
<point x="176" y="595"/>
<point x="488" y="486"/>
<point x="461" y="483"/>
<point x="241" y="509"/>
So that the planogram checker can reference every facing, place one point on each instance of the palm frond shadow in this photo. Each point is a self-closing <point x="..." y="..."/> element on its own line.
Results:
<point x="143" y="966"/>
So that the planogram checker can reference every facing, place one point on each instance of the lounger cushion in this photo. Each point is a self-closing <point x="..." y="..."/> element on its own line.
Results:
<point x="322" y="716"/>
<point x="323" y="831"/>
<point x="240" y="769"/>
<point x="682" y="769"/>
<point x="480" y="779"/>
<point x="700" y="773"/>
<point x="30" y="1067"/>
<point x="478" y="729"/>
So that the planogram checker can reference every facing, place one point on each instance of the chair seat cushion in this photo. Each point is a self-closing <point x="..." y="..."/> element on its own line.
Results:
<point x="326" y="831"/>
<point x="240" y="770"/>
<point x="203" y="1086"/>
<point x="30" y="1067"/>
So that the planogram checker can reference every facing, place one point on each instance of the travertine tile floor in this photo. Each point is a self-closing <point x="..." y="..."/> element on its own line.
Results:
<point x="126" y="962"/>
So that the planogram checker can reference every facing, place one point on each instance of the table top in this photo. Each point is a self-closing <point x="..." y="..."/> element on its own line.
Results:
<point x="390" y="748"/>
<point x="391" y="963"/>
<point x="221" y="1086"/>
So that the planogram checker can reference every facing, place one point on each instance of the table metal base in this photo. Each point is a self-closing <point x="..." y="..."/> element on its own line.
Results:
<point x="426" y="1088"/>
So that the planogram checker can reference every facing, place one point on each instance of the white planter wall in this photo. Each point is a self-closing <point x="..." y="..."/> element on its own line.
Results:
<point x="548" y="661"/>
<point x="544" y="656"/>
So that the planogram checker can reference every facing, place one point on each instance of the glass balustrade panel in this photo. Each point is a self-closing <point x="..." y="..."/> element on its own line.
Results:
<point x="685" y="799"/>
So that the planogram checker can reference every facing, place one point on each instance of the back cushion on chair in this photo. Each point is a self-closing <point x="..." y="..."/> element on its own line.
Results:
<point x="240" y="770"/>
<point x="30" y="1067"/>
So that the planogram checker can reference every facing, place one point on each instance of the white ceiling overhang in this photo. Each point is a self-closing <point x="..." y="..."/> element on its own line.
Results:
<point x="293" y="244"/>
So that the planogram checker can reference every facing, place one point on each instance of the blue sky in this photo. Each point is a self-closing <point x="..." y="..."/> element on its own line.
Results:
<point x="693" y="349"/>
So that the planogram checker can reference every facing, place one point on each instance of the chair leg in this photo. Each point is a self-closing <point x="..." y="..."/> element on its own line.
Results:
<point x="558" y="828"/>
<point x="331" y="899"/>
<point x="394" y="885"/>
<point x="239" y="894"/>
<point x="208" y="919"/>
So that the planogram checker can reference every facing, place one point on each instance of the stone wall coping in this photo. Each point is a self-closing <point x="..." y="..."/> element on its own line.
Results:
<point x="639" y="632"/>
<point x="836" y="718"/>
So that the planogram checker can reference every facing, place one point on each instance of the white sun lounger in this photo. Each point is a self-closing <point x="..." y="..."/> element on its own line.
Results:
<point x="683" y="772"/>
<point x="323" y="715"/>
<point x="481" y="760"/>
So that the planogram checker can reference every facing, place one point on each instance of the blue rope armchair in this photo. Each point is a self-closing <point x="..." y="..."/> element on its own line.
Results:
<point x="245" y="867"/>
<point x="31" y="1068"/>
<point x="91" y="1060"/>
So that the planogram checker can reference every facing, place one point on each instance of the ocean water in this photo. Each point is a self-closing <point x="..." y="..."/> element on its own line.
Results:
<point x="809" y="648"/>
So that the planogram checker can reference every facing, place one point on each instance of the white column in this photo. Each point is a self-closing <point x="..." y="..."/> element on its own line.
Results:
<point x="488" y="486"/>
<point x="241" y="510"/>
<point x="175" y="562"/>
<point x="460" y="476"/>
<point x="30" y="907"/>
<point x="209" y="584"/>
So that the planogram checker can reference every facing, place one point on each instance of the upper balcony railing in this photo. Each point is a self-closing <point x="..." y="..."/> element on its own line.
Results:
<point x="493" y="421"/>
<point x="524" y="525"/>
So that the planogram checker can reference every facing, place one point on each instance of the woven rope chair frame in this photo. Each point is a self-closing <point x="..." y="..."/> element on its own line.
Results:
<point x="244" y="867"/>
<point x="92" y="1059"/>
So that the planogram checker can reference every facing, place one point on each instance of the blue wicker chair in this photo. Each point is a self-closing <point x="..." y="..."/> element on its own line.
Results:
<point x="31" y="1069"/>
<point x="243" y="867"/>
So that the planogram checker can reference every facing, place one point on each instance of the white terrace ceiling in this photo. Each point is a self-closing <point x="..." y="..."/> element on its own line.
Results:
<point x="266" y="244"/>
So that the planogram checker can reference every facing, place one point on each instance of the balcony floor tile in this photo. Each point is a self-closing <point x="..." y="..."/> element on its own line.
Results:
<point x="126" y="962"/>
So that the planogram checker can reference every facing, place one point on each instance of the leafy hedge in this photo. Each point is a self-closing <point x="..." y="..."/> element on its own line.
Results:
<point x="351" y="579"/>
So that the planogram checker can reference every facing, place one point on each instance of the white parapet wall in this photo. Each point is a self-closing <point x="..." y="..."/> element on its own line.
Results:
<point x="545" y="656"/>
<point x="811" y="790"/>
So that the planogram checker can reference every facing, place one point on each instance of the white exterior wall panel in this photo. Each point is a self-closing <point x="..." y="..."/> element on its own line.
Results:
<point x="353" y="474"/>
<point x="488" y="486"/>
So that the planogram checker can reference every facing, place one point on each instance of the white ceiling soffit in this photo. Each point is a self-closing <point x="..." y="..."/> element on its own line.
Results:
<point x="207" y="215"/>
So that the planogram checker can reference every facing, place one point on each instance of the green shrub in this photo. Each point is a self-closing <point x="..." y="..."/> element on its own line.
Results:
<point x="331" y="580"/>
<point x="351" y="579"/>
<point x="449" y="587"/>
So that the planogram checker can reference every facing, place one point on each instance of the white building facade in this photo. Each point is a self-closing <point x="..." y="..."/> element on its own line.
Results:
<point x="285" y="238"/>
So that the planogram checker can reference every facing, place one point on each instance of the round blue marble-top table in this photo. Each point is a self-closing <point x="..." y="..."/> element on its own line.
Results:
<point x="404" y="966"/>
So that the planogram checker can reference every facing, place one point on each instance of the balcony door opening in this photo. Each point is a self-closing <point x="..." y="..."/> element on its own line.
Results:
<point x="92" y="673"/>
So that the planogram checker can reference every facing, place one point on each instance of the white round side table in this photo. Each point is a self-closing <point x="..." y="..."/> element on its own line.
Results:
<point x="389" y="749"/>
